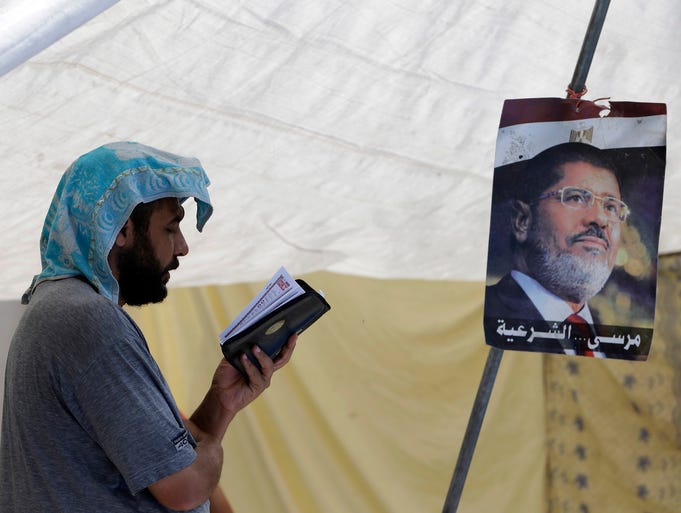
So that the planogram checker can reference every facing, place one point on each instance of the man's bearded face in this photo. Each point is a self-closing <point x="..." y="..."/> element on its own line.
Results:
<point x="576" y="278"/>
<point x="142" y="279"/>
<point x="572" y="252"/>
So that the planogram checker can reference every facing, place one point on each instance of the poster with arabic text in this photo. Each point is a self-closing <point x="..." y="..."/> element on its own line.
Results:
<point x="575" y="224"/>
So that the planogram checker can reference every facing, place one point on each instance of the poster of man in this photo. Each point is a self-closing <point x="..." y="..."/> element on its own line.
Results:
<point x="575" y="221"/>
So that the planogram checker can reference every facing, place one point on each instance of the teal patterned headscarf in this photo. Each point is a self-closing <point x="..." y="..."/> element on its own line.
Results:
<point x="94" y="200"/>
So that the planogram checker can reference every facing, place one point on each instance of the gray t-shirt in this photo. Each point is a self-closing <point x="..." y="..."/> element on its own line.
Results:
<point x="88" y="421"/>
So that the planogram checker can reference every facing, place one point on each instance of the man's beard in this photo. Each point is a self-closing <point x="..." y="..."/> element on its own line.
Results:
<point x="140" y="275"/>
<point x="568" y="276"/>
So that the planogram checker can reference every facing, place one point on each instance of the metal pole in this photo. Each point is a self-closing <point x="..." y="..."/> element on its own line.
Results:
<point x="593" y="32"/>
<point x="578" y="85"/>
<point x="473" y="430"/>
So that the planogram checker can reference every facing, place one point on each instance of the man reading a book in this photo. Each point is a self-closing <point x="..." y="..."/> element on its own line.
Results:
<point x="89" y="423"/>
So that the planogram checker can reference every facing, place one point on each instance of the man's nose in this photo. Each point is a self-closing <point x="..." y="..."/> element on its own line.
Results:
<point x="598" y="214"/>
<point x="181" y="246"/>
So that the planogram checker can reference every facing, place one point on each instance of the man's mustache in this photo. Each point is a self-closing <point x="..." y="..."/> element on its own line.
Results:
<point x="174" y="264"/>
<point x="593" y="230"/>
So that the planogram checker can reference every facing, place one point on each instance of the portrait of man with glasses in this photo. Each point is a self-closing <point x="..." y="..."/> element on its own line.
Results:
<point x="566" y="212"/>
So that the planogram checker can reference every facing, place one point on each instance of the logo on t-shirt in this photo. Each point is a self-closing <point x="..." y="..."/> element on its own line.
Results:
<point x="181" y="441"/>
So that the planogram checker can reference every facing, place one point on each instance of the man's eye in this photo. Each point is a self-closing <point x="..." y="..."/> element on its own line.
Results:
<point x="611" y="206"/>
<point x="575" y="197"/>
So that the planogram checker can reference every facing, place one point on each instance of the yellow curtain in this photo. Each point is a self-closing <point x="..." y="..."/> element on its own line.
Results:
<point x="370" y="414"/>
<point x="614" y="427"/>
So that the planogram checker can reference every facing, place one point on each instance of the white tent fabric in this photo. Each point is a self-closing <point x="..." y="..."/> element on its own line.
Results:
<point x="353" y="137"/>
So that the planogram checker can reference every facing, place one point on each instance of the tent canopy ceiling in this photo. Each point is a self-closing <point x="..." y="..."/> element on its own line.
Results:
<point x="355" y="137"/>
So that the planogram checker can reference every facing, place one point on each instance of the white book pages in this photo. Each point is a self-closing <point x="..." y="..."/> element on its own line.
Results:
<point x="279" y="290"/>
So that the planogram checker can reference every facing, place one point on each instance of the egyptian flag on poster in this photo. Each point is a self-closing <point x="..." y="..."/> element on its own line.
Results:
<point x="575" y="224"/>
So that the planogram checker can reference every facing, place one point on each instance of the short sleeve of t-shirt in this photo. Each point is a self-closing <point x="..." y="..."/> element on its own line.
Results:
<point x="124" y="402"/>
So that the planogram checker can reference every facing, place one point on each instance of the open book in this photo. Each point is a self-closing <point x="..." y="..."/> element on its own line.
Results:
<point x="282" y="307"/>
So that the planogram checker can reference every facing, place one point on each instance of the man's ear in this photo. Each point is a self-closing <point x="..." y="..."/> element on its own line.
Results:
<point x="125" y="235"/>
<point x="521" y="219"/>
